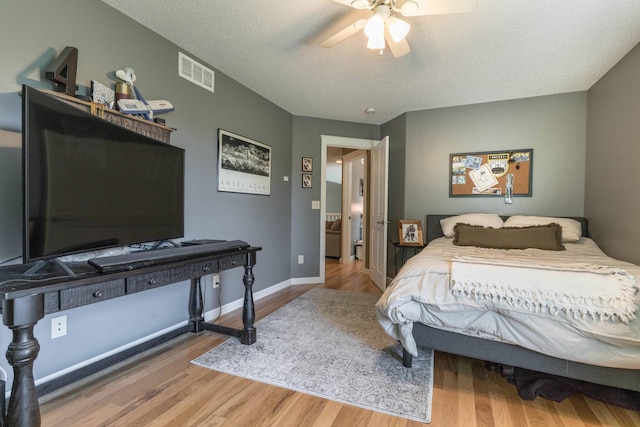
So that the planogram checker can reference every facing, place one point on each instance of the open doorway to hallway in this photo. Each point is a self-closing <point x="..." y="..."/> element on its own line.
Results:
<point x="369" y="147"/>
<point x="345" y="202"/>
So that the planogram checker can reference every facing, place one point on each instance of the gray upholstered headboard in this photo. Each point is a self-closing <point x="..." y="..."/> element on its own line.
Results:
<point x="434" y="230"/>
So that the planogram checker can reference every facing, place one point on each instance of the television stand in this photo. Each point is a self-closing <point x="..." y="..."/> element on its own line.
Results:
<point x="25" y="301"/>
<point x="55" y="262"/>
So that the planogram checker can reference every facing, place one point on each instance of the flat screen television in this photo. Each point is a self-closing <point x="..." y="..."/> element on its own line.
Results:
<point x="90" y="184"/>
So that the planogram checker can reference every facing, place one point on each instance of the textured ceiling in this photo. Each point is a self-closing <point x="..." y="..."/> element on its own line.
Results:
<point x="504" y="49"/>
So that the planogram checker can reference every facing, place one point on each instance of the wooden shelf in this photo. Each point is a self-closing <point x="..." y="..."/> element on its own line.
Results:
<point x="144" y="127"/>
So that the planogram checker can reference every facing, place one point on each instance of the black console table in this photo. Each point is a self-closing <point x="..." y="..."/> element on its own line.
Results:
<point x="27" y="299"/>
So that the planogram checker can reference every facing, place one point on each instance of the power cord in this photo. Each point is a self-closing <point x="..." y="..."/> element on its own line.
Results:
<point x="44" y="279"/>
<point x="36" y="280"/>
<point x="10" y="259"/>
<point x="203" y="293"/>
<point x="219" y="294"/>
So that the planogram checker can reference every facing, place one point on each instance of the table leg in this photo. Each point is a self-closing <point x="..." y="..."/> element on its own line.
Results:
<point x="196" y="305"/>
<point x="21" y="315"/>
<point x="248" y="335"/>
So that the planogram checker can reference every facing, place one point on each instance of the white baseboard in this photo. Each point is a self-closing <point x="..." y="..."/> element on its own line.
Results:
<point x="211" y="314"/>
<point x="305" y="280"/>
<point x="109" y="353"/>
<point x="234" y="305"/>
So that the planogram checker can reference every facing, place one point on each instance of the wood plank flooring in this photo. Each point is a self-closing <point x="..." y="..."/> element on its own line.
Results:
<point x="161" y="388"/>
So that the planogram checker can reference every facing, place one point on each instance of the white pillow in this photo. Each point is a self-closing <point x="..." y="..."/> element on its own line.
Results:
<point x="485" y="220"/>
<point x="571" y="229"/>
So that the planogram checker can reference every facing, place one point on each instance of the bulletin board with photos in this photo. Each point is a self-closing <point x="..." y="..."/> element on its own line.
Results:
<point x="485" y="173"/>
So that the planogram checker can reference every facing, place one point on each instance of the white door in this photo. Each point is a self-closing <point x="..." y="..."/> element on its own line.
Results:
<point x="378" y="203"/>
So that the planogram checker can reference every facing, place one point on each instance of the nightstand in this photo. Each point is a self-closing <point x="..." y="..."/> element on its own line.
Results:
<point x="404" y="248"/>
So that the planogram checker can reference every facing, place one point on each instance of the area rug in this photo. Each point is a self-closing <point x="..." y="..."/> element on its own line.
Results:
<point x="328" y="343"/>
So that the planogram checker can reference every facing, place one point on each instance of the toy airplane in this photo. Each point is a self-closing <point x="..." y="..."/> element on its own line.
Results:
<point x="138" y="105"/>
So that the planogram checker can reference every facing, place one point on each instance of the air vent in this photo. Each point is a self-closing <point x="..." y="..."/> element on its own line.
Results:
<point x="195" y="72"/>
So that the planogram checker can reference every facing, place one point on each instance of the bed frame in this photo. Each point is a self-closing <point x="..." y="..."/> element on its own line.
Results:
<point x="513" y="355"/>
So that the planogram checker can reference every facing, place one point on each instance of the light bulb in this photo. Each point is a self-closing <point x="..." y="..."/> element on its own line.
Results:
<point x="376" y="43"/>
<point x="398" y="28"/>
<point x="374" y="27"/>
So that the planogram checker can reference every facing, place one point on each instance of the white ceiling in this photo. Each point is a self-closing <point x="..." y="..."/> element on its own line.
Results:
<point x="504" y="49"/>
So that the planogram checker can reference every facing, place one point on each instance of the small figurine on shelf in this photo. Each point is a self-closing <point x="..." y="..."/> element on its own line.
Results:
<point x="137" y="104"/>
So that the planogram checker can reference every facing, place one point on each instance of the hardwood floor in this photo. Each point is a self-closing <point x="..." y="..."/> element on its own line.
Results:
<point x="161" y="388"/>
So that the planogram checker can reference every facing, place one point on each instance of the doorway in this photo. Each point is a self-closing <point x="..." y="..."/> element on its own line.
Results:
<point x="345" y="203"/>
<point x="355" y="144"/>
<point x="354" y="205"/>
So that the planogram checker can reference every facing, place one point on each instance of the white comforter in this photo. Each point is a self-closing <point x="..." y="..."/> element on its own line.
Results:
<point x="421" y="292"/>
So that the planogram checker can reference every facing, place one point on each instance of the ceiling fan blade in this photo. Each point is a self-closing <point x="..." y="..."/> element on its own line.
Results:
<point x="358" y="4"/>
<point x="398" y="49"/>
<point x="343" y="34"/>
<point x="436" y="7"/>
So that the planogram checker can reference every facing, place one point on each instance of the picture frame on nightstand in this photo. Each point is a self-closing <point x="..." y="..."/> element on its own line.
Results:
<point x="410" y="232"/>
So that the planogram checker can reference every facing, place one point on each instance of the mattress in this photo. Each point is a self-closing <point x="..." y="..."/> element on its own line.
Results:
<point x="421" y="292"/>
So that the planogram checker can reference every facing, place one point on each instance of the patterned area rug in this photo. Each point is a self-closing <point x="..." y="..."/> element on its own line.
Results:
<point x="327" y="343"/>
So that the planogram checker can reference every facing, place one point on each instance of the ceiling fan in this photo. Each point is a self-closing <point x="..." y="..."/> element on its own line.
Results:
<point x="384" y="26"/>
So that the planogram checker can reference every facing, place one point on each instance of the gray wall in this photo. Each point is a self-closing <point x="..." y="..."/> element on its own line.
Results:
<point x="396" y="130"/>
<point x="32" y="33"/>
<point x="305" y="222"/>
<point x="554" y="126"/>
<point x="333" y="196"/>
<point x="612" y="201"/>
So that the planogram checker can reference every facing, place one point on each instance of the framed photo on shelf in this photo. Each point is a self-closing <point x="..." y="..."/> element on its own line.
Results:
<point x="307" y="180"/>
<point x="307" y="164"/>
<point x="410" y="232"/>
<point x="244" y="165"/>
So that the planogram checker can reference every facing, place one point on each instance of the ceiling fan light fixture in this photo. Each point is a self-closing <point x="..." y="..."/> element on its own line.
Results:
<point x="360" y="4"/>
<point x="409" y="8"/>
<point x="398" y="28"/>
<point x="376" y="43"/>
<point x="374" y="27"/>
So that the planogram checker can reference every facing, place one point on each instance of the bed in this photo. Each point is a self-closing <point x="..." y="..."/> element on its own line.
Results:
<point x="423" y="307"/>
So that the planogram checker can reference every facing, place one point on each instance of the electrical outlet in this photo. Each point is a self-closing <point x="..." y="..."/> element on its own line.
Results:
<point x="216" y="281"/>
<point x="58" y="327"/>
<point x="300" y="259"/>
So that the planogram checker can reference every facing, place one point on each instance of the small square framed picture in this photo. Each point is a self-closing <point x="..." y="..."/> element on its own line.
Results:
<point x="307" y="164"/>
<point x="410" y="231"/>
<point x="307" y="180"/>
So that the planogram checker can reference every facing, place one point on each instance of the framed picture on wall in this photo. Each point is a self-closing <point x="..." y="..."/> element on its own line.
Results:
<point x="486" y="174"/>
<point x="307" y="164"/>
<point x="244" y="165"/>
<point x="307" y="180"/>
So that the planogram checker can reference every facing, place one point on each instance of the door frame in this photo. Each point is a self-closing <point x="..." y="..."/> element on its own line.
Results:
<point x="347" y="196"/>
<point x="333" y="141"/>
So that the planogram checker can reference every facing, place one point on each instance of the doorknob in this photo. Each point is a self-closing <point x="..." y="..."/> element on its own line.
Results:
<point x="382" y="222"/>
